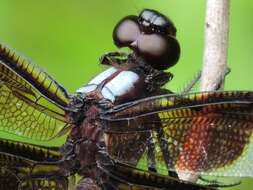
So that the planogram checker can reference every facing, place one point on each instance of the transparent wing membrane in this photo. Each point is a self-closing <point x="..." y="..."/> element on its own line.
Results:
<point x="32" y="104"/>
<point x="19" y="72"/>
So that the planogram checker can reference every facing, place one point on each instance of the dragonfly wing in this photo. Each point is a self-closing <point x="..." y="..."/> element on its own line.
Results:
<point x="204" y="133"/>
<point x="124" y="176"/>
<point x="28" y="166"/>
<point x="32" y="104"/>
<point x="15" y="179"/>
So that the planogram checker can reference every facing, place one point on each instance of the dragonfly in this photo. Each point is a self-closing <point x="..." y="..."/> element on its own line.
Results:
<point x="124" y="129"/>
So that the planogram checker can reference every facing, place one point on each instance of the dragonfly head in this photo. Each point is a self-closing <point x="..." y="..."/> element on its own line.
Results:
<point x="151" y="36"/>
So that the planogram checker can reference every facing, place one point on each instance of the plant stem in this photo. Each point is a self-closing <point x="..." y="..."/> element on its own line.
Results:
<point x="216" y="44"/>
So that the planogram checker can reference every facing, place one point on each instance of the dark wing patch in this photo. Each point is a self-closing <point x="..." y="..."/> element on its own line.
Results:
<point x="123" y="176"/>
<point x="206" y="133"/>
<point x="32" y="104"/>
<point x="27" y="166"/>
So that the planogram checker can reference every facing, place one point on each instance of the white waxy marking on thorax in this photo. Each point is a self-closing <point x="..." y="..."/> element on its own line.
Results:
<point x="102" y="76"/>
<point x="87" y="88"/>
<point x="108" y="94"/>
<point x="117" y="86"/>
<point x="92" y="85"/>
<point x="122" y="83"/>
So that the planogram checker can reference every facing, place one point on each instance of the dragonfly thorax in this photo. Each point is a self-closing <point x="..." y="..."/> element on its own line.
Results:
<point x="114" y="85"/>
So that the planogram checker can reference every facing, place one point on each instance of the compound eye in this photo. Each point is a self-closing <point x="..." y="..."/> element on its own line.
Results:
<point x="147" y="15"/>
<point x="161" y="52"/>
<point x="126" y="31"/>
<point x="153" y="45"/>
<point x="160" y="21"/>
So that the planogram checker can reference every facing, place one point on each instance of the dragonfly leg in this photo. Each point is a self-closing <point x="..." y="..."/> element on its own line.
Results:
<point x="87" y="184"/>
<point x="156" y="79"/>
<point x="192" y="83"/>
<point x="151" y="156"/>
<point x="196" y="79"/>
<point x="220" y="84"/>
<point x="165" y="150"/>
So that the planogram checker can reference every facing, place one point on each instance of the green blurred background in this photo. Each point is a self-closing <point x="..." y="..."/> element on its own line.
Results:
<point x="66" y="38"/>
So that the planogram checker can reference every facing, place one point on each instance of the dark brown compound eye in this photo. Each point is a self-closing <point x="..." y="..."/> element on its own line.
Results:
<point x="160" y="51"/>
<point x="126" y="31"/>
<point x="153" y="45"/>
<point x="155" y="22"/>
